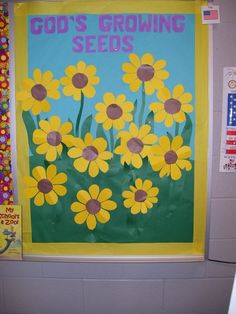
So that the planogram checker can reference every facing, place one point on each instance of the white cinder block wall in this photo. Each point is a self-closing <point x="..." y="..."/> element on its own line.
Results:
<point x="152" y="288"/>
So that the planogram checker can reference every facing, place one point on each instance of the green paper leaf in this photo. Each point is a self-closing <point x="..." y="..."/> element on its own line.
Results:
<point x="135" y="109"/>
<point x="86" y="126"/>
<point x="170" y="136"/>
<point x="187" y="131"/>
<point x="73" y="129"/>
<point x="79" y="115"/>
<point x="150" y="120"/>
<point x="100" y="132"/>
<point x="30" y="127"/>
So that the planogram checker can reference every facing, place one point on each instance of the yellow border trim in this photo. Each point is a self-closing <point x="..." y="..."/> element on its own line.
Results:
<point x="22" y="10"/>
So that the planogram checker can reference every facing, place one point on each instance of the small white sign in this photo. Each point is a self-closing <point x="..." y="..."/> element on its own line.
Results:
<point x="210" y="14"/>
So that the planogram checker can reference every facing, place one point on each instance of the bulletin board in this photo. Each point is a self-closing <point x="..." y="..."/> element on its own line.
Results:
<point x="112" y="128"/>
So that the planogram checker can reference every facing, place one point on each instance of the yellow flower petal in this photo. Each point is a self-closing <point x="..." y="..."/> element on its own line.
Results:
<point x="39" y="199"/>
<point x="109" y="205"/>
<point x="91" y="222"/>
<point x="169" y="120"/>
<point x="94" y="191"/>
<point x="139" y="183"/>
<point x="187" y="108"/>
<point x="39" y="173"/>
<point x="39" y="137"/>
<point x="157" y="162"/>
<point x="60" y="190"/>
<point x="160" y="64"/>
<point x="81" y="164"/>
<point x="147" y="184"/>
<point x="152" y="192"/>
<point x="30" y="192"/>
<point x="185" y="98"/>
<point x="178" y="91"/>
<point x="179" y="117"/>
<point x="81" y="217"/>
<point x="129" y="67"/>
<point x="107" y="125"/>
<point x="134" y="59"/>
<point x="164" y="143"/>
<point x="90" y="70"/>
<point x="47" y="77"/>
<point x="184" y="164"/>
<point x="77" y="207"/>
<point x="165" y="171"/>
<point x="104" y="195"/>
<point x="160" y="116"/>
<point x="100" y="144"/>
<point x="29" y="181"/>
<point x="55" y="122"/>
<point x="45" y="126"/>
<point x="164" y="94"/>
<point x="177" y="142"/>
<point x="143" y="208"/>
<point x="51" y="198"/>
<point x="184" y="152"/>
<point x="81" y="66"/>
<point x="175" y="172"/>
<point x="129" y="202"/>
<point x="102" y="165"/>
<point x="137" y="161"/>
<point x="74" y="152"/>
<point x="93" y="169"/>
<point x="37" y="75"/>
<point x="133" y="129"/>
<point x="70" y="70"/>
<point x="51" y="153"/>
<point x="149" y="139"/>
<point x="103" y="216"/>
<point x="51" y="172"/>
<point x="83" y="196"/>
<point x="134" y="86"/>
<point x="109" y="98"/>
<point x="147" y="59"/>
<point x="135" y="209"/>
<point x="150" y="87"/>
<point x="88" y="139"/>
<point x="144" y="130"/>
<point x="100" y="117"/>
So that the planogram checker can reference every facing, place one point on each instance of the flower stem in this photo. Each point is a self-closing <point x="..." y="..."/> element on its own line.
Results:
<point x="38" y="119"/>
<point x="111" y="138"/>
<point x="79" y="115"/>
<point x="142" y="105"/>
<point x="176" y="128"/>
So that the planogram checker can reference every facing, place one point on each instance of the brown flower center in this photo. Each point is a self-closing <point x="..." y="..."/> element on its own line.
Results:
<point x="114" y="111"/>
<point x="93" y="206"/>
<point x="79" y="80"/>
<point x="172" y="106"/>
<point x="45" y="186"/>
<point x="145" y="72"/>
<point x="171" y="157"/>
<point x="140" y="196"/>
<point x="54" y="138"/>
<point x="39" y="92"/>
<point x="135" y="145"/>
<point x="90" y="153"/>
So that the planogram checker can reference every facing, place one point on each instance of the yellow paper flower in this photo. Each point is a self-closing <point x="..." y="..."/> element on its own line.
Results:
<point x="170" y="157"/>
<point x="37" y="91"/>
<point x="114" y="112"/>
<point x="135" y="144"/>
<point x="91" y="155"/>
<point x="50" y="137"/>
<point x="173" y="107"/>
<point x="78" y="79"/>
<point x="92" y="206"/>
<point x="141" y="196"/>
<point x="45" y="185"/>
<point x="145" y="70"/>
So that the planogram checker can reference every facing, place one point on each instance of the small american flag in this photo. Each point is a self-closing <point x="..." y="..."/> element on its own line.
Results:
<point x="210" y="15"/>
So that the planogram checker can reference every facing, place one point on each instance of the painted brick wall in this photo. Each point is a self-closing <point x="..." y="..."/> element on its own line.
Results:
<point x="155" y="288"/>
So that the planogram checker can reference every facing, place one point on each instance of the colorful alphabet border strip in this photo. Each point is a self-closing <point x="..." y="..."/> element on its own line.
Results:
<point x="6" y="193"/>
